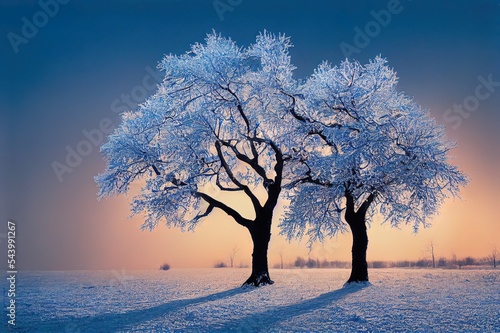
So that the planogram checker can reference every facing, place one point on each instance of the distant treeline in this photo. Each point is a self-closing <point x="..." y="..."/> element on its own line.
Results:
<point x="222" y="264"/>
<point x="452" y="263"/>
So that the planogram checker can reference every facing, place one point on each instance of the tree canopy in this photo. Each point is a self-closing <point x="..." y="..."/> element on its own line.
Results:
<point x="371" y="147"/>
<point x="215" y="121"/>
<point x="216" y="124"/>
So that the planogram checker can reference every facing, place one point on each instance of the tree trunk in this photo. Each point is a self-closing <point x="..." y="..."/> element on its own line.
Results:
<point x="260" y="229"/>
<point x="356" y="220"/>
<point x="359" y="270"/>
<point x="261" y="235"/>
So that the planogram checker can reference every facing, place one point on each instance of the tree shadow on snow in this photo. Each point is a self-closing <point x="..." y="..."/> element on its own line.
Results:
<point x="118" y="321"/>
<point x="262" y="320"/>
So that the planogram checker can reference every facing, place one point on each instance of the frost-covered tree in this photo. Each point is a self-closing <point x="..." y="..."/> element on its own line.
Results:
<point x="369" y="150"/>
<point x="219" y="122"/>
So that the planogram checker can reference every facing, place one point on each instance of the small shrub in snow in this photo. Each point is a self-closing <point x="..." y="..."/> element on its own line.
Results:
<point x="220" y="264"/>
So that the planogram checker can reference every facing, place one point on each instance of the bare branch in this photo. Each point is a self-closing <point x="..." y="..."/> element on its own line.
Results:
<point x="207" y="212"/>
<point x="228" y="210"/>
<point x="238" y="106"/>
<point x="245" y="188"/>
<point x="254" y="162"/>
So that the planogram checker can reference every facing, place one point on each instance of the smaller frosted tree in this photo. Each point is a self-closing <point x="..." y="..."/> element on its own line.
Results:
<point x="369" y="150"/>
<point x="213" y="126"/>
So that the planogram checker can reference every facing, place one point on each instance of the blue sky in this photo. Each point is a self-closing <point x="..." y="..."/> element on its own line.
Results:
<point x="65" y="79"/>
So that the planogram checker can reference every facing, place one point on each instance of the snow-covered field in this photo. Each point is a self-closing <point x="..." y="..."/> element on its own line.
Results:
<point x="210" y="300"/>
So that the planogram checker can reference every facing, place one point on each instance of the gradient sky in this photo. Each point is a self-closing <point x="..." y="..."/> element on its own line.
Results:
<point x="66" y="78"/>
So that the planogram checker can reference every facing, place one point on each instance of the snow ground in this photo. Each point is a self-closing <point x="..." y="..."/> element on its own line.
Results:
<point x="301" y="300"/>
